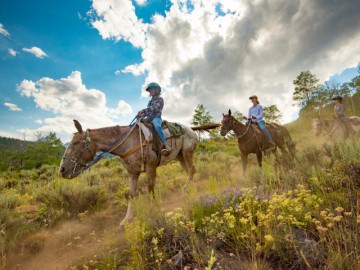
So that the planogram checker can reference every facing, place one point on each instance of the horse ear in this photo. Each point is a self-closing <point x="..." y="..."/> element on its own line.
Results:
<point x="78" y="126"/>
<point x="223" y="115"/>
<point x="229" y="112"/>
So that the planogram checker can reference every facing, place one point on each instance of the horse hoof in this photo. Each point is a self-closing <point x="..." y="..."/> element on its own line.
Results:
<point x="122" y="223"/>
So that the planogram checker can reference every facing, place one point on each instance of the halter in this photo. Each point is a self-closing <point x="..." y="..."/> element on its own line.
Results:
<point x="78" y="158"/>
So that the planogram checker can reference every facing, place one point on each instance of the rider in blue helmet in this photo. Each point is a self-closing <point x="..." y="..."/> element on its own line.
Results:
<point x="153" y="113"/>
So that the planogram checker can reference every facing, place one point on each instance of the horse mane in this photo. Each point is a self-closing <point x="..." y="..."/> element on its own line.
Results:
<point x="107" y="130"/>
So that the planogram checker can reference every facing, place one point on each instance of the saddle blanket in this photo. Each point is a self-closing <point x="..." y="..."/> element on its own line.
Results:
<point x="147" y="133"/>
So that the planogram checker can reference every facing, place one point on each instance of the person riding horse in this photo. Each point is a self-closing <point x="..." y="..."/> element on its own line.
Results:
<point x="339" y="113"/>
<point x="153" y="114"/>
<point x="256" y="115"/>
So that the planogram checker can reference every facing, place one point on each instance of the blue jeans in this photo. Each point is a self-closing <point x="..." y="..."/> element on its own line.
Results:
<point x="157" y="125"/>
<point x="264" y="129"/>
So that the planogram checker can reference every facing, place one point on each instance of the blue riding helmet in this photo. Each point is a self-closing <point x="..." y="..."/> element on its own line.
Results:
<point x="153" y="85"/>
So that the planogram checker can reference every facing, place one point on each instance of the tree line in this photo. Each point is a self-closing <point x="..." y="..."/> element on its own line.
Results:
<point x="18" y="154"/>
<point x="308" y="95"/>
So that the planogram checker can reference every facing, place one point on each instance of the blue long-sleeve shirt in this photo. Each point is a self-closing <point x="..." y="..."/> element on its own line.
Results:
<point x="256" y="111"/>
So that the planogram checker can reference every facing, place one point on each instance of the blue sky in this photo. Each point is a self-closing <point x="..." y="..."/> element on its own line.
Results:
<point x="90" y="60"/>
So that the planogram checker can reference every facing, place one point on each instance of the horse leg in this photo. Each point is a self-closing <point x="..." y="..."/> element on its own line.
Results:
<point x="151" y="175"/>
<point x="187" y="156"/>
<point x="180" y="158"/>
<point x="244" y="162"/>
<point x="259" y="158"/>
<point x="133" y="177"/>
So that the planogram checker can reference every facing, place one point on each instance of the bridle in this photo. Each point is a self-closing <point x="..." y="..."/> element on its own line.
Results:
<point x="232" y="125"/>
<point x="78" y="158"/>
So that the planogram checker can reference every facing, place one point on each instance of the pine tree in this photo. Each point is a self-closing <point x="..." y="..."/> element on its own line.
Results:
<point x="201" y="116"/>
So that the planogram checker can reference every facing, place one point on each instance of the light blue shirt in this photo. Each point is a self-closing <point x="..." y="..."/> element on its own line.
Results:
<point x="256" y="111"/>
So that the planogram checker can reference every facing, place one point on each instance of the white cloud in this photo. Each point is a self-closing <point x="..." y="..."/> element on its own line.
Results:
<point x="39" y="53"/>
<point x="3" y="31"/>
<point x="12" y="106"/>
<point x="117" y="20"/>
<point x="14" y="135"/>
<point x="141" y="2"/>
<point x="202" y="56"/>
<point x="13" y="52"/>
<point x="136" y="69"/>
<point x="68" y="98"/>
<point x="124" y="108"/>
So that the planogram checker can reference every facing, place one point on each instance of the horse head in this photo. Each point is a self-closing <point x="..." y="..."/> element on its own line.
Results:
<point x="79" y="152"/>
<point x="317" y="125"/>
<point x="227" y="123"/>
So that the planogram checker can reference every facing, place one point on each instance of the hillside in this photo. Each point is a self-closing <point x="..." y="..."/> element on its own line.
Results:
<point x="13" y="144"/>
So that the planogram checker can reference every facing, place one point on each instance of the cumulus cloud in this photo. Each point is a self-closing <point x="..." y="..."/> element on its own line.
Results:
<point x="68" y="98"/>
<point x="117" y="20"/>
<point x="39" y="53"/>
<point x="135" y="69"/>
<point x="3" y="31"/>
<point x="12" y="106"/>
<point x="13" y="52"/>
<point x="218" y="53"/>
<point x="141" y="2"/>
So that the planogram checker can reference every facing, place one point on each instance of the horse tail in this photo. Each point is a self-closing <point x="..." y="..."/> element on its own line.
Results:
<point x="206" y="127"/>
<point x="290" y="144"/>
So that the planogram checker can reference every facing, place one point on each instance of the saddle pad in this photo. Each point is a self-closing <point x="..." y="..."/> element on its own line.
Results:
<point x="147" y="133"/>
<point x="175" y="129"/>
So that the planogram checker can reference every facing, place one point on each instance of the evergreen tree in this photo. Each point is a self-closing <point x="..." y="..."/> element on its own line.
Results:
<point x="201" y="116"/>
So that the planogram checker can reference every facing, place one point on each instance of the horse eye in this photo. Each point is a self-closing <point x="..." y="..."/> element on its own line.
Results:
<point x="75" y="143"/>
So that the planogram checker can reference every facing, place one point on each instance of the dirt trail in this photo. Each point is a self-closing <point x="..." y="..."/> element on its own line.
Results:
<point x="72" y="240"/>
<point x="64" y="245"/>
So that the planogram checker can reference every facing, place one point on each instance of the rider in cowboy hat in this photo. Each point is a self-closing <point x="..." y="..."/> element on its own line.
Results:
<point x="339" y="113"/>
<point x="153" y="113"/>
<point x="256" y="115"/>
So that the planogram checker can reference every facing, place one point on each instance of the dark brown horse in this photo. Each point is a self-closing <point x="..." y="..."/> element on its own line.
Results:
<point x="251" y="140"/>
<point x="136" y="154"/>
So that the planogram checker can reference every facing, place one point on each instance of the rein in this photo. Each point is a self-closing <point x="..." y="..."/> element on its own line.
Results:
<point x="247" y="129"/>
<point x="77" y="159"/>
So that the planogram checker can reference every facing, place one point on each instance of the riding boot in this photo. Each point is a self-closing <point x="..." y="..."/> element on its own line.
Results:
<point x="166" y="150"/>
<point x="272" y="145"/>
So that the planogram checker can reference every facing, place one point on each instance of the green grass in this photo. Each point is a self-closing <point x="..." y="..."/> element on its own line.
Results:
<point x="304" y="216"/>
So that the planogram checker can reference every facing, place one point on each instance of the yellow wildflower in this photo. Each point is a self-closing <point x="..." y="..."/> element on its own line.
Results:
<point x="330" y="225"/>
<point x="339" y="209"/>
<point x="154" y="241"/>
<point x="338" y="218"/>
<point x="269" y="238"/>
<point x="323" y="213"/>
<point x="258" y="247"/>
<point x="348" y="214"/>
<point x="244" y="220"/>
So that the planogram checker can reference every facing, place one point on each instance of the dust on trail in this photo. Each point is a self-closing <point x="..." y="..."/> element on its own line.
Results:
<point x="67" y="243"/>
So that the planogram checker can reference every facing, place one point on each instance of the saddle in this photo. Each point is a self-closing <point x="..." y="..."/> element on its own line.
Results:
<point x="170" y="129"/>
<point x="268" y="126"/>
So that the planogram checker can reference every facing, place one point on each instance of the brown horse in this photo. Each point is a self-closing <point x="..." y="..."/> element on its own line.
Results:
<point x="136" y="154"/>
<point x="251" y="141"/>
<point x="334" y="129"/>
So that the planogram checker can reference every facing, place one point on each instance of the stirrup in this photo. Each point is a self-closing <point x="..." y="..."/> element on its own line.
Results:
<point x="166" y="151"/>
